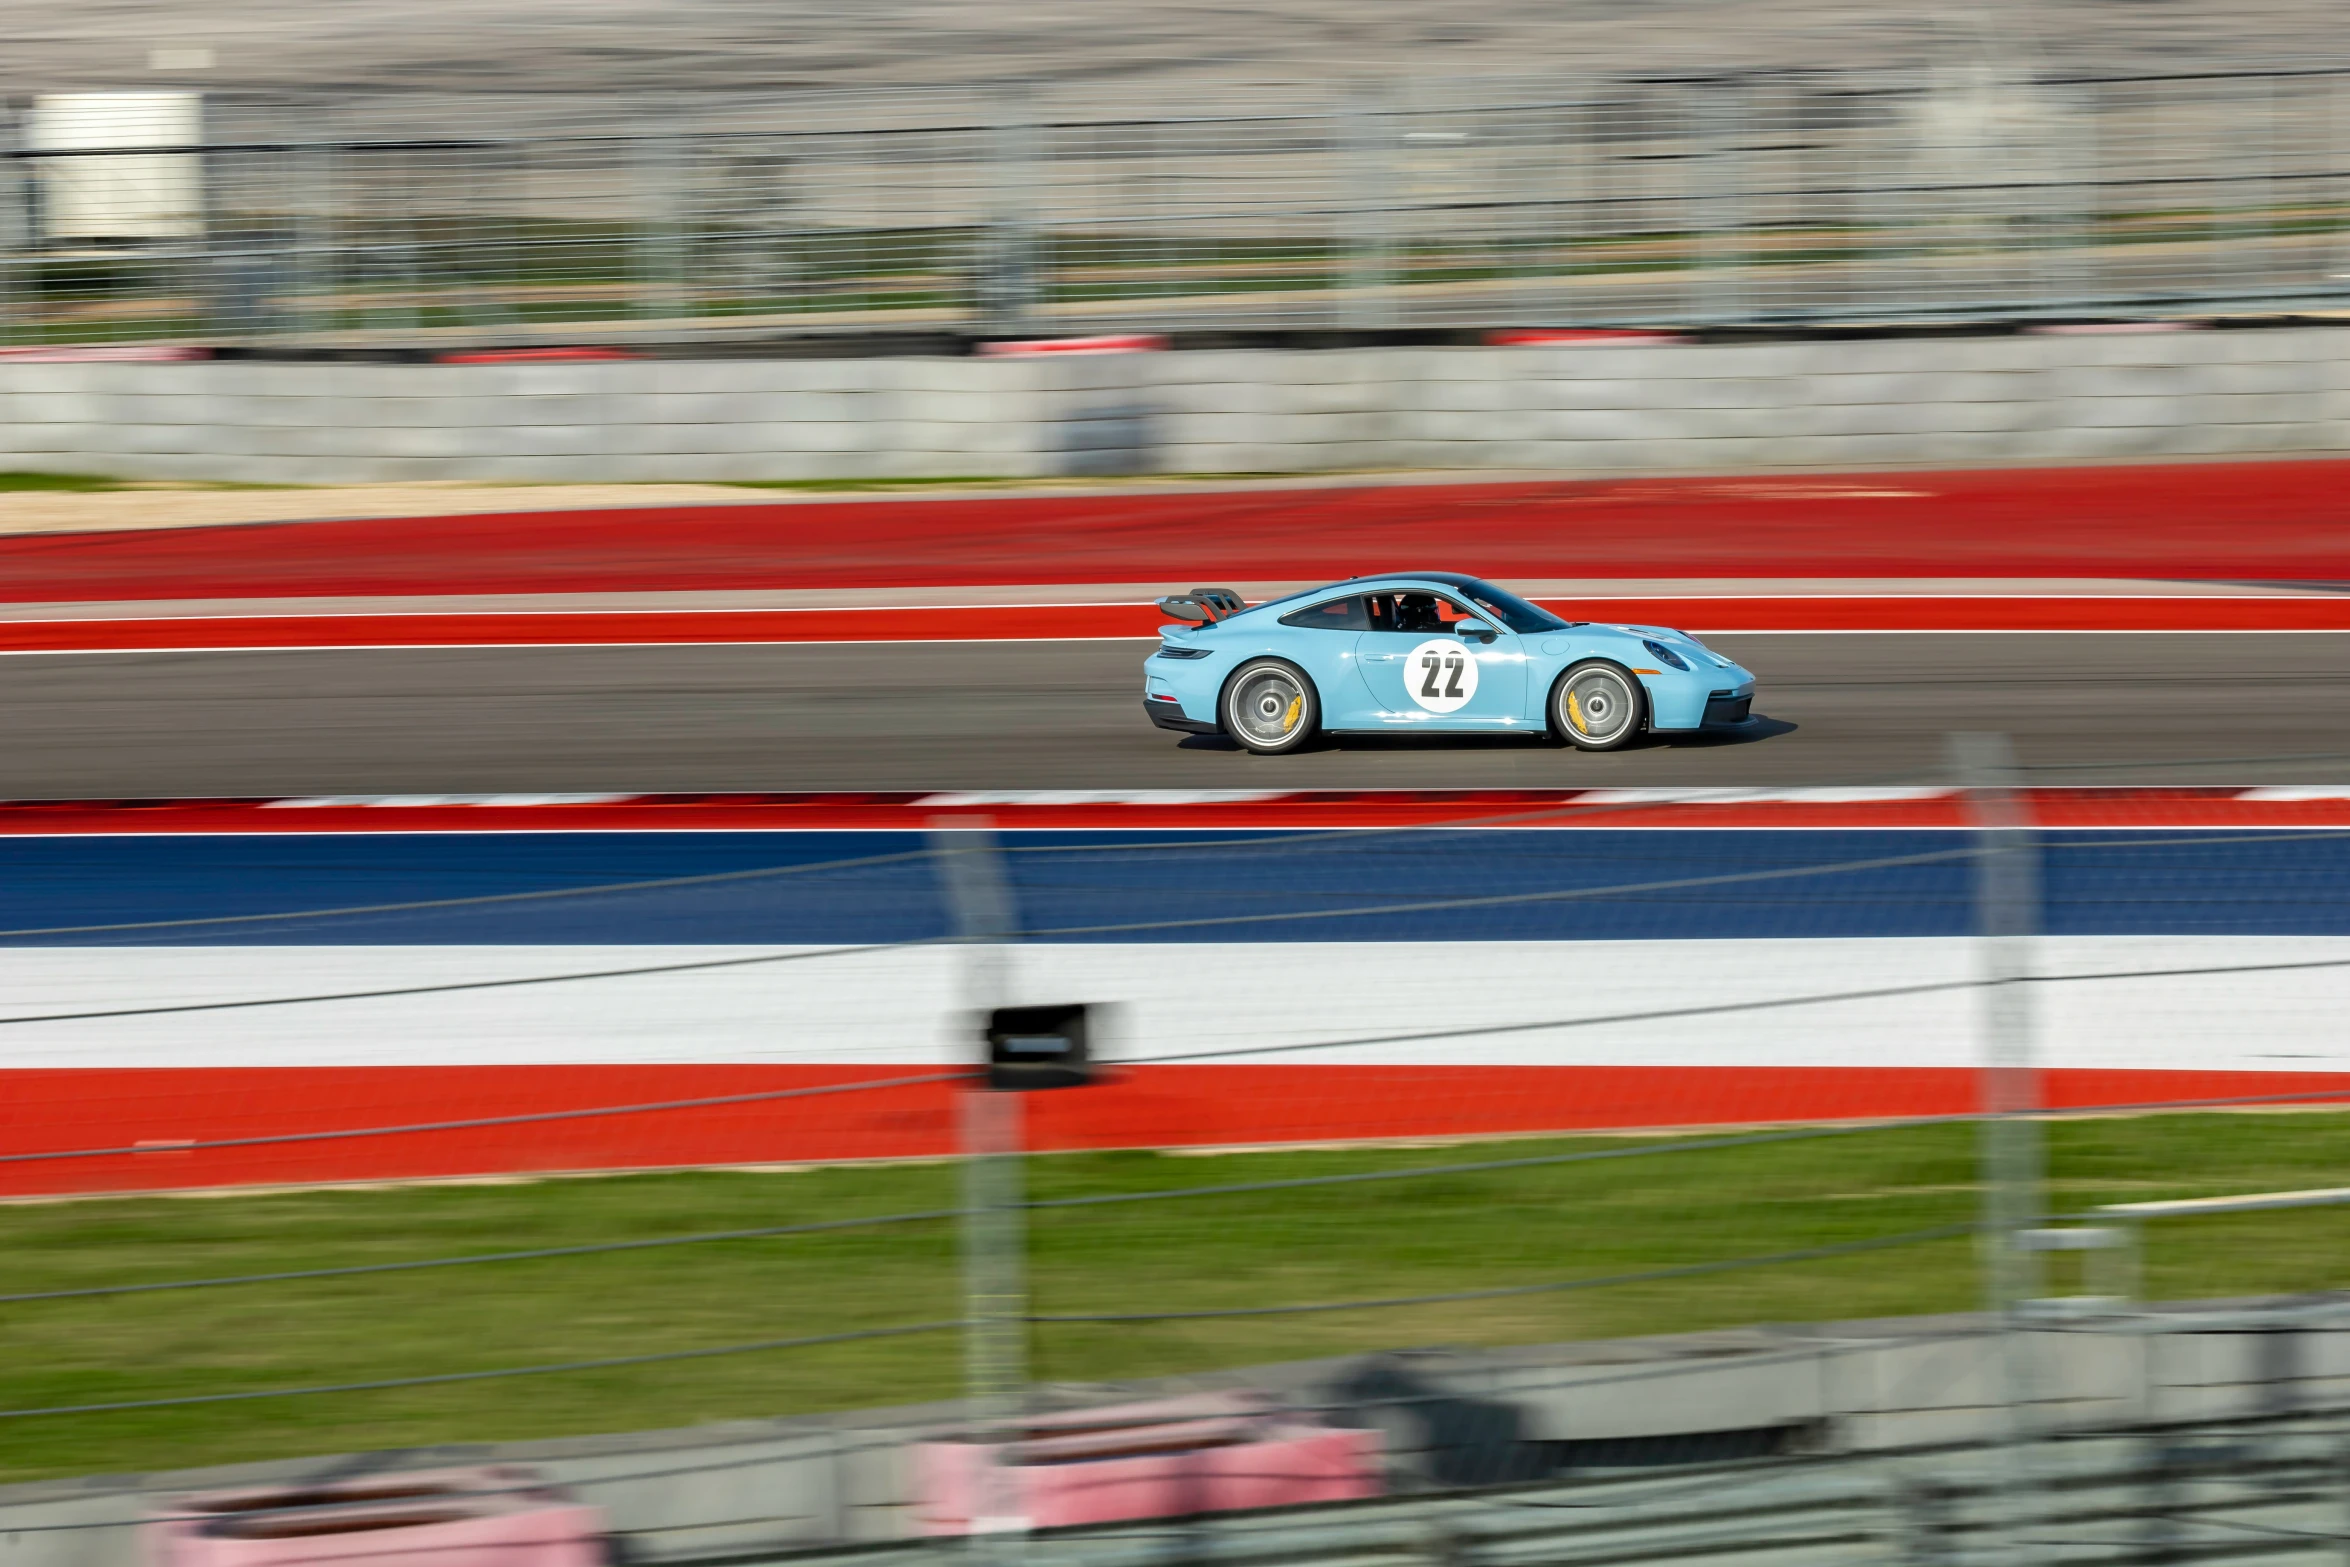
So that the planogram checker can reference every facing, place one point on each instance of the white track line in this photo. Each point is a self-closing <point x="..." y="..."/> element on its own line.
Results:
<point x="480" y="647"/>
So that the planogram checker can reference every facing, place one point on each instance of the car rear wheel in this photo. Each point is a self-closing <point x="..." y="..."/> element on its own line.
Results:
<point x="1597" y="707"/>
<point x="1270" y="707"/>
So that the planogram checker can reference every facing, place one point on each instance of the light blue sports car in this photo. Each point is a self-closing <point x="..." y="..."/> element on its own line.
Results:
<point x="1426" y="650"/>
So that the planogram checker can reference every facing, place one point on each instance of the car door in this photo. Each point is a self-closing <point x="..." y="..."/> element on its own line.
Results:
<point x="1422" y="673"/>
<point x="1326" y="651"/>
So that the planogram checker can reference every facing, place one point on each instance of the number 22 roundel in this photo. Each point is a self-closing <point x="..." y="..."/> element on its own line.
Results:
<point x="1440" y="676"/>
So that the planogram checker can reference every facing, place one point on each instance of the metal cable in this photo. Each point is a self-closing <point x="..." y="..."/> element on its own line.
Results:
<point x="1634" y="1150"/>
<point x="1686" y="1270"/>
<point x="537" y="1254"/>
<point x="1654" y="1014"/>
<point x="1271" y="838"/>
<point x="541" y="895"/>
<point x="1532" y="1161"/>
<point x="1118" y="928"/>
<point x="450" y="987"/>
<point x="1290" y="916"/>
<point x="662" y="1357"/>
<point x="1564" y="810"/>
<point x="1712" y="1009"/>
<point x="500" y="1120"/>
<point x="1649" y="1275"/>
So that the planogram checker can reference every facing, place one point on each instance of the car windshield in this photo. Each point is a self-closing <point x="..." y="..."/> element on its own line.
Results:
<point x="1511" y="610"/>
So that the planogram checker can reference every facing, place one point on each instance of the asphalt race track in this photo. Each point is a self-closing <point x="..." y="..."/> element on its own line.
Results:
<point x="1853" y="708"/>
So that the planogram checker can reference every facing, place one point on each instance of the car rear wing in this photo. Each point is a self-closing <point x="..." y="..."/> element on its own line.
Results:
<point x="1203" y="606"/>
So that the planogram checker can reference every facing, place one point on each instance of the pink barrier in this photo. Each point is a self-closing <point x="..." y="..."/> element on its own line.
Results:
<point x="488" y="1517"/>
<point x="1216" y="1453"/>
<point x="1117" y="343"/>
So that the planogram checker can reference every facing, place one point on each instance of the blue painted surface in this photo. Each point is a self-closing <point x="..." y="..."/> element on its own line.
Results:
<point x="857" y="887"/>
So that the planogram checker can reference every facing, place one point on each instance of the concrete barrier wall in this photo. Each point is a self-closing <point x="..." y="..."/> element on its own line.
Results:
<point x="1889" y="1386"/>
<point x="1590" y="407"/>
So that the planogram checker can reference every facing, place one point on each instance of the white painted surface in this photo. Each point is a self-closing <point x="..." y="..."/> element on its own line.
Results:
<point x="901" y="1005"/>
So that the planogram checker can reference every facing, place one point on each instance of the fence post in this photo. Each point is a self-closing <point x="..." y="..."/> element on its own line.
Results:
<point x="658" y="172"/>
<point x="18" y="282"/>
<point x="1717" y="129"/>
<point x="1372" y="205"/>
<point x="1005" y="290"/>
<point x="310" y="272"/>
<point x="2342" y="1473"/>
<point x="2072" y="255"/>
<point x="2338" y="189"/>
<point x="995" y="1274"/>
<point x="2007" y="906"/>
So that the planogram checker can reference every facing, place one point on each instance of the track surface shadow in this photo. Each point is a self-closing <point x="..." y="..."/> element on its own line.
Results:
<point x="1760" y="727"/>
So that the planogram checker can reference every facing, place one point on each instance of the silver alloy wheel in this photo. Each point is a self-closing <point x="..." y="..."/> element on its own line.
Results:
<point x="1597" y="707"/>
<point x="1268" y="707"/>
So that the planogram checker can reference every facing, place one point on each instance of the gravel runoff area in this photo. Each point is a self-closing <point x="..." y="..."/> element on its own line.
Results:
<point x="137" y="505"/>
<point x="170" y="506"/>
<point x="1125" y="56"/>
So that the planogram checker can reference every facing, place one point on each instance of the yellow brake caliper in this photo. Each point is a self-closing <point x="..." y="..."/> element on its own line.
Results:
<point x="1297" y="705"/>
<point x="1575" y="715"/>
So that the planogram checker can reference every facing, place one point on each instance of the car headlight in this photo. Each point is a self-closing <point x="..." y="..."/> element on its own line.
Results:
<point x="1665" y="655"/>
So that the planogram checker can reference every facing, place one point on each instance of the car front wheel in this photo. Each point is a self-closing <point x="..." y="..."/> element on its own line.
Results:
<point x="1270" y="707"/>
<point x="1597" y="707"/>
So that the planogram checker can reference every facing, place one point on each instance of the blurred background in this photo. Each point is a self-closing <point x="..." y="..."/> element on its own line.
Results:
<point x="355" y="178"/>
<point x="572" y="584"/>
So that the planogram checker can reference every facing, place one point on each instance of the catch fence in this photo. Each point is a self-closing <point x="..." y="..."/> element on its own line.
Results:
<point x="1870" y="998"/>
<point x="1550" y="201"/>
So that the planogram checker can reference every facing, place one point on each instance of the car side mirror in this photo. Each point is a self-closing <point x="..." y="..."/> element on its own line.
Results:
<point x="1475" y="628"/>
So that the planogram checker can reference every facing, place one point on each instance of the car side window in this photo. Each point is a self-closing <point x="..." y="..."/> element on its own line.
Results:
<point x="1344" y="614"/>
<point x="1414" y="612"/>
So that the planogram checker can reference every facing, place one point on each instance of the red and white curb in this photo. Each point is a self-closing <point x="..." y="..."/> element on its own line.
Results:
<point x="554" y="624"/>
<point x="1893" y="807"/>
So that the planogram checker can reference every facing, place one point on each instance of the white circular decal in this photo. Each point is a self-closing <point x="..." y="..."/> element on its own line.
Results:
<point x="1440" y="675"/>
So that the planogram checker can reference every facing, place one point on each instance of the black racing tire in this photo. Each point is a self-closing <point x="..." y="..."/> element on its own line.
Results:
<point x="1269" y="707"/>
<point x="1598" y="706"/>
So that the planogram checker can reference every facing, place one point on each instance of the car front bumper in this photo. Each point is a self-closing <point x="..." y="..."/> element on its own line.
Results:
<point x="1699" y="699"/>
<point x="1728" y="707"/>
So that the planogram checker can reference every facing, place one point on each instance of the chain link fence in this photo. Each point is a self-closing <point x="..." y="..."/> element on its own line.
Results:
<point x="1949" y="195"/>
<point x="1876" y="1020"/>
